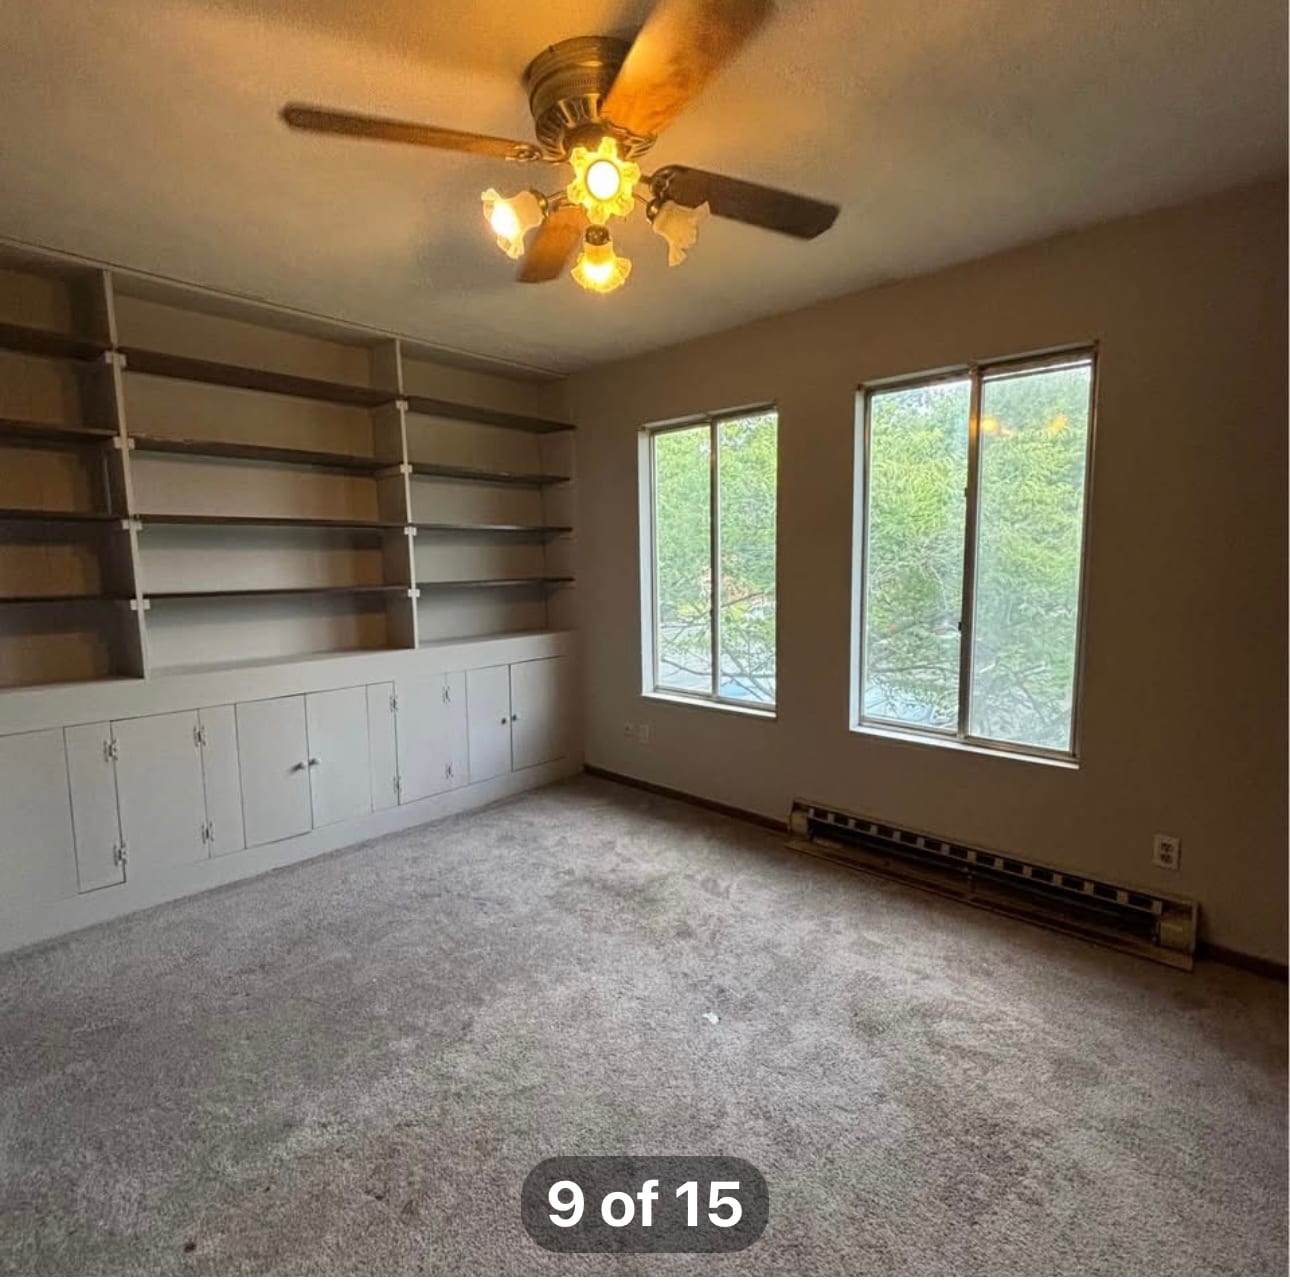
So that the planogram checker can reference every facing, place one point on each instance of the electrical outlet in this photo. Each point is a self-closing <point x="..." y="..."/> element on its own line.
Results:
<point x="629" y="730"/>
<point x="1166" y="851"/>
<point x="642" y="733"/>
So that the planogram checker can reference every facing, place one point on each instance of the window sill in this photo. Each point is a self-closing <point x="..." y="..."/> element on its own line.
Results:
<point x="976" y="749"/>
<point x="708" y="704"/>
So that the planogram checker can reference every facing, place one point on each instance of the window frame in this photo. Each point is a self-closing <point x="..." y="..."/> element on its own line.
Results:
<point x="978" y="372"/>
<point x="650" y="686"/>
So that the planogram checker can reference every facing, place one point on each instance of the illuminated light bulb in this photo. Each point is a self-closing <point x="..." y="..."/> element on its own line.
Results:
<point x="679" y="227"/>
<point x="603" y="182"/>
<point x="598" y="269"/>
<point x="512" y="218"/>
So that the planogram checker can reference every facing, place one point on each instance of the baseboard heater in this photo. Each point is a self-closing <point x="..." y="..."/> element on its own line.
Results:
<point x="1157" y="926"/>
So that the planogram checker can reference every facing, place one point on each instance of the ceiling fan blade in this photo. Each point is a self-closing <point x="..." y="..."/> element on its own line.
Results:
<point x="749" y="203"/>
<point x="682" y="46"/>
<point x="325" y="120"/>
<point x="553" y="245"/>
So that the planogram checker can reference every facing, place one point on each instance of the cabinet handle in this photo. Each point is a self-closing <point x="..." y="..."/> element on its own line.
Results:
<point x="298" y="766"/>
<point x="504" y="720"/>
<point x="514" y="719"/>
<point x="313" y="760"/>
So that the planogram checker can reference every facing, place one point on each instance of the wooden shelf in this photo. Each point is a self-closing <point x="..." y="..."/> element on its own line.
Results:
<point x="480" y="582"/>
<point x="299" y="463"/>
<point x="80" y="597"/>
<point x="49" y="344"/>
<point x="152" y="362"/>
<point x="10" y="516"/>
<point x="469" y="474"/>
<point x="504" y="529"/>
<point x="41" y="434"/>
<point x="481" y="416"/>
<point x="266" y="521"/>
<point x="347" y="462"/>
<point x="258" y="592"/>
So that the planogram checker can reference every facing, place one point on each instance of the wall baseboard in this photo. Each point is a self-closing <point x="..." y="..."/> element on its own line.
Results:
<point x="1206" y="951"/>
<point x="672" y="793"/>
<point x="1264" y="966"/>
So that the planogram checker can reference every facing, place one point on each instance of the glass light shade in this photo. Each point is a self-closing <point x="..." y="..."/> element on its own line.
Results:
<point x="598" y="268"/>
<point x="512" y="218"/>
<point x="603" y="183"/>
<point x="679" y="227"/>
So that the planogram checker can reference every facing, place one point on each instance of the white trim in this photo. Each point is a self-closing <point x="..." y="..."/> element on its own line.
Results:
<point x="711" y="704"/>
<point x="950" y="742"/>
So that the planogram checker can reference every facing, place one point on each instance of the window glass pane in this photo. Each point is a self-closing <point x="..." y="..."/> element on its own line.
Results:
<point x="683" y="567"/>
<point x="918" y="444"/>
<point x="746" y="460"/>
<point x="1034" y="441"/>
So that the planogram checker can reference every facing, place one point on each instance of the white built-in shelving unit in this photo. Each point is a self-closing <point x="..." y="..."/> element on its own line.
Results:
<point x="190" y="482"/>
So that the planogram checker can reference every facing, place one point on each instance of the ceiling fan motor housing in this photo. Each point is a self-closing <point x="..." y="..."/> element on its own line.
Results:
<point x="566" y="84"/>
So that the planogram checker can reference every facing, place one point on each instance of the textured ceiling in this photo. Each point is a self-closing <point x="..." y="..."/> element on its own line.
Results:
<point x="145" y="133"/>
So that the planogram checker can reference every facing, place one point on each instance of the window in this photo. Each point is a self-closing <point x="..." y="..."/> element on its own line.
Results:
<point x="711" y="511"/>
<point x="974" y="487"/>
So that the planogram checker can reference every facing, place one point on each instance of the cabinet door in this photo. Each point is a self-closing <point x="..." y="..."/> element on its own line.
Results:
<point x="382" y="746"/>
<point x="454" y="744"/>
<point x="488" y="710"/>
<point x="37" y="852"/>
<point x="340" y="765"/>
<point x="91" y="779"/>
<point x="421" y="719"/>
<point x="159" y="791"/>
<point x="273" y="752"/>
<point x="541" y="704"/>
<point x="225" y="833"/>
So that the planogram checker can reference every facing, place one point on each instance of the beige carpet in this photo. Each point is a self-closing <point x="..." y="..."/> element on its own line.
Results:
<point x="351" y="1065"/>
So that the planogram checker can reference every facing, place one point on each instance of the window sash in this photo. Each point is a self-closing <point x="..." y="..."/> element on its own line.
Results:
<point x="713" y="693"/>
<point x="980" y="375"/>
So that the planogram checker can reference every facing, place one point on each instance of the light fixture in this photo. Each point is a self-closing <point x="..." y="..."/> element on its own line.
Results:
<point x="511" y="218"/>
<point x="598" y="269"/>
<point x="603" y="183"/>
<point x="598" y="104"/>
<point x="678" y="226"/>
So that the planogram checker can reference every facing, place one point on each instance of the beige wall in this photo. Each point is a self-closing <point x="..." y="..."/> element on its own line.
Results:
<point x="1185" y="686"/>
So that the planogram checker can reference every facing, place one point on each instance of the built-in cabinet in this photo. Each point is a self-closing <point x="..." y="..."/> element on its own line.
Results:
<point x="340" y="758"/>
<point x="221" y="777"/>
<point x="150" y="793"/>
<point x="382" y="746"/>
<point x="96" y="824"/>
<point x="273" y="747"/>
<point x="262" y="579"/>
<point x="159" y="790"/>
<point x="89" y="807"/>
<point x="542" y="711"/>
<point x="518" y="716"/>
<point x="488" y="707"/>
<point x="433" y="746"/>
<point x="36" y="847"/>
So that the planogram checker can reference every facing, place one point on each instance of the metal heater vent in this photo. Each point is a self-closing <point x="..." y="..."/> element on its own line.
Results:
<point x="1158" y="926"/>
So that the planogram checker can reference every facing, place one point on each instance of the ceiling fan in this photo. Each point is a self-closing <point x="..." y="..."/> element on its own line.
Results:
<point x="599" y="104"/>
